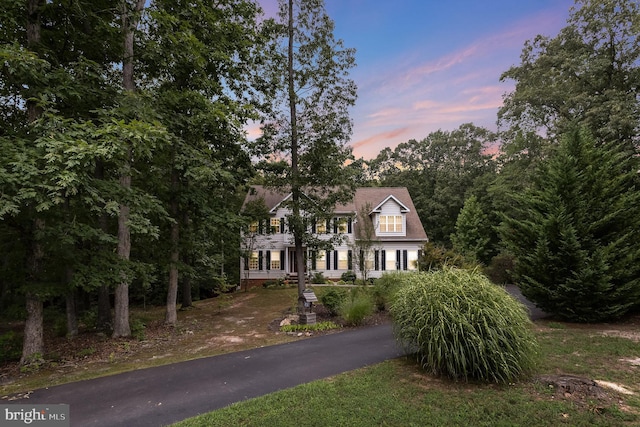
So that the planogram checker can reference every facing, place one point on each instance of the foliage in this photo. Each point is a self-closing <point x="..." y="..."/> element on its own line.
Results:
<point x="316" y="327"/>
<point x="348" y="276"/>
<point x="435" y="257"/>
<point x="574" y="232"/>
<point x="384" y="288"/>
<point x="355" y="308"/>
<point x="473" y="230"/>
<point x="587" y="74"/>
<point x="500" y="269"/>
<point x="303" y="144"/>
<point x="462" y="326"/>
<point x="274" y="283"/>
<point x="332" y="300"/>
<point x="318" y="278"/>
<point x="10" y="347"/>
<point x="441" y="171"/>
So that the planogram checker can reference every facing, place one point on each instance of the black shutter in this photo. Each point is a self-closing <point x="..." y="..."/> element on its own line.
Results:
<point x="405" y="262"/>
<point x="281" y="260"/>
<point x="327" y="226"/>
<point x="313" y="227"/>
<point x="268" y="260"/>
<point x="314" y="256"/>
<point x="349" y="225"/>
<point x="335" y="225"/>
<point x="259" y="260"/>
<point x="349" y="260"/>
<point x="281" y="230"/>
<point x="363" y="261"/>
<point x="335" y="260"/>
<point x="398" y="264"/>
<point x="328" y="255"/>
<point x="376" y="260"/>
<point x="383" y="260"/>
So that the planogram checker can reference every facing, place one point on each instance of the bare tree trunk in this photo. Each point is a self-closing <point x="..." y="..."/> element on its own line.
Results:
<point x="186" y="280"/>
<point x="295" y="184"/>
<point x="121" y="327"/>
<point x="33" y="343"/>
<point x="171" y="316"/>
<point x="104" y="300"/>
<point x="72" y="308"/>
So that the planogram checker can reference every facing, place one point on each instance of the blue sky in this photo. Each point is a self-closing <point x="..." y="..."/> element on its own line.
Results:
<point x="425" y="65"/>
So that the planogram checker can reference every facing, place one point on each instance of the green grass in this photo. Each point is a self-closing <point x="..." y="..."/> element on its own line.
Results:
<point x="399" y="393"/>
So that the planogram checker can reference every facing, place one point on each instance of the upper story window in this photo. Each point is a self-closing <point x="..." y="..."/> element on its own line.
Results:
<point x="321" y="226"/>
<point x="275" y="225"/>
<point x="253" y="227"/>
<point x="390" y="223"/>
<point x="342" y="225"/>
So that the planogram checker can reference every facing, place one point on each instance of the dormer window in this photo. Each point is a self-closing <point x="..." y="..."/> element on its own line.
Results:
<point x="391" y="223"/>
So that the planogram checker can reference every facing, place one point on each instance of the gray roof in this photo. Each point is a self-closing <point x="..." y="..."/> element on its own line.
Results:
<point x="373" y="196"/>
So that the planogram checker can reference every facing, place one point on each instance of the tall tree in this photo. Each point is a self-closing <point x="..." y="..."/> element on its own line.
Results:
<point x="573" y="232"/>
<point x="473" y="232"/>
<point x="440" y="172"/>
<point x="588" y="73"/>
<point x="304" y="140"/>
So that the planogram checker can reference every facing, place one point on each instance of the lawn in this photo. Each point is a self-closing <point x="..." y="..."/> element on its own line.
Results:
<point x="391" y="393"/>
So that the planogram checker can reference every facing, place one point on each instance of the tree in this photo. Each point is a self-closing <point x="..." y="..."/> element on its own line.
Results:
<point x="588" y="74"/>
<point x="440" y="172"/>
<point x="473" y="232"/>
<point x="573" y="235"/>
<point x="365" y="242"/>
<point x="304" y="139"/>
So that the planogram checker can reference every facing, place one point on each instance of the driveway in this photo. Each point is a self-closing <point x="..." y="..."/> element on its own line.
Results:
<point x="167" y="394"/>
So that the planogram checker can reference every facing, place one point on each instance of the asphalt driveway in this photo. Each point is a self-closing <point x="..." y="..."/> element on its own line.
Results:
<point x="166" y="394"/>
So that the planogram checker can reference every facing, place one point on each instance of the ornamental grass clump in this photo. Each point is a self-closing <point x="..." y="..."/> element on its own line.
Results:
<point x="462" y="326"/>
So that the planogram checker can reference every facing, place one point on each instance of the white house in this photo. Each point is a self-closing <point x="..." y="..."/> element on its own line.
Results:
<point x="388" y="237"/>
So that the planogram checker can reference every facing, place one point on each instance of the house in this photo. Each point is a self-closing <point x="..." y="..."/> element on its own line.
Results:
<point x="379" y="230"/>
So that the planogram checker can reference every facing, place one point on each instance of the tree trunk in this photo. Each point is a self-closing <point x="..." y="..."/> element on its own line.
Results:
<point x="72" y="309"/>
<point x="104" y="301"/>
<point x="172" y="292"/>
<point x="121" y="327"/>
<point x="186" y="283"/>
<point x="33" y="342"/>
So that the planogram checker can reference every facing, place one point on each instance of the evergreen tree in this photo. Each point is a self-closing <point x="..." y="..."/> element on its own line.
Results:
<point x="473" y="232"/>
<point x="573" y="235"/>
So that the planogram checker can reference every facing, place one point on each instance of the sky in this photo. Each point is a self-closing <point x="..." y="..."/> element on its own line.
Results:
<point x="425" y="65"/>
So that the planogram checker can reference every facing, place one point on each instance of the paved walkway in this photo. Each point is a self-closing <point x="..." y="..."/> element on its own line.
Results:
<point x="166" y="394"/>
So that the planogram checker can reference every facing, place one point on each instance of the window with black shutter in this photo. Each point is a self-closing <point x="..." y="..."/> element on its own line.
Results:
<point x="268" y="265"/>
<point x="404" y="260"/>
<point x="328" y="260"/>
<point x="281" y="260"/>
<point x="376" y="260"/>
<point x="383" y="256"/>
<point x="398" y="261"/>
<point x="260" y="256"/>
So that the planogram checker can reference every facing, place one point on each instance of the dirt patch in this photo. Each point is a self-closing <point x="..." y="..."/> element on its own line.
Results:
<point x="594" y="395"/>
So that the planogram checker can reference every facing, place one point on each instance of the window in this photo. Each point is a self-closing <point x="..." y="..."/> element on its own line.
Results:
<point x="253" y="261"/>
<point x="275" y="225"/>
<point x="412" y="260"/>
<point x="343" y="260"/>
<point x="369" y="260"/>
<point x="342" y="225"/>
<point x="253" y="227"/>
<point x="275" y="260"/>
<point x="390" y="260"/>
<point x="390" y="223"/>
<point x="321" y="226"/>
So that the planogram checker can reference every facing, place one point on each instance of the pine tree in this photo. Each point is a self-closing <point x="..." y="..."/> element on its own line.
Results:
<point x="573" y="232"/>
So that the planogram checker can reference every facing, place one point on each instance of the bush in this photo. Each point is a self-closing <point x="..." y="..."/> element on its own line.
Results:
<point x="461" y="325"/>
<point x="332" y="299"/>
<point x="384" y="287"/>
<point x="348" y="276"/>
<point x="318" y="278"/>
<point x="316" y="327"/>
<point x="500" y="268"/>
<point x="356" y="307"/>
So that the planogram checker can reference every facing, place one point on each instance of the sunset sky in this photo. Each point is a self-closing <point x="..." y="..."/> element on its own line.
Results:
<point x="424" y="65"/>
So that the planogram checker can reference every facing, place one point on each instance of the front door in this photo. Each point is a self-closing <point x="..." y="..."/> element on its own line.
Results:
<point x="293" y="268"/>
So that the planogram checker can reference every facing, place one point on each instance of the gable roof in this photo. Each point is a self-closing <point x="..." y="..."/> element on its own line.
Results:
<point x="373" y="197"/>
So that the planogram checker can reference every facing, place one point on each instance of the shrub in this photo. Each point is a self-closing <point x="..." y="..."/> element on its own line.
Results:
<point x="332" y="300"/>
<point x="461" y="325"/>
<point x="384" y="287"/>
<point x="500" y="268"/>
<point x="348" y="276"/>
<point x="318" y="278"/>
<point x="356" y="307"/>
<point x="321" y="326"/>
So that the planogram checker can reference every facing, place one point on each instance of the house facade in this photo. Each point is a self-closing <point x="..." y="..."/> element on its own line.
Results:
<point x="377" y="231"/>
